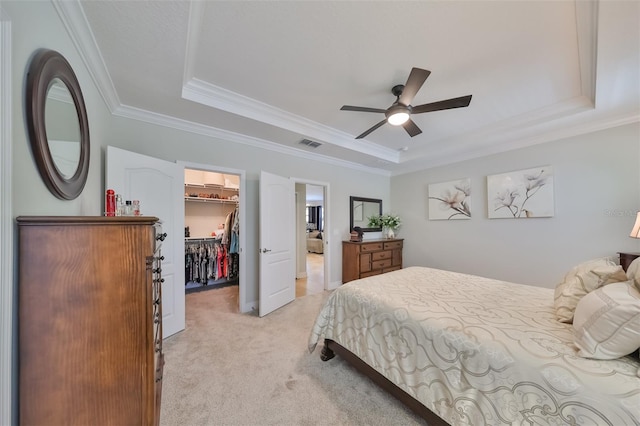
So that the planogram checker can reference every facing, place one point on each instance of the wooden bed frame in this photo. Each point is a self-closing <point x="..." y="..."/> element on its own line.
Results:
<point x="331" y="348"/>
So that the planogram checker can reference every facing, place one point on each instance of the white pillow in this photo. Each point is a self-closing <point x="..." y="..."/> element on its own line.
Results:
<point x="607" y="322"/>
<point x="633" y="271"/>
<point x="582" y="279"/>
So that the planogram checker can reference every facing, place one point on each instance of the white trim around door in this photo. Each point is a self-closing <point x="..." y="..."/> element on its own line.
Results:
<point x="7" y="381"/>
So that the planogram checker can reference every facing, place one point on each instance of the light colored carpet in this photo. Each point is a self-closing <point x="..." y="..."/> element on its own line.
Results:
<point x="238" y="369"/>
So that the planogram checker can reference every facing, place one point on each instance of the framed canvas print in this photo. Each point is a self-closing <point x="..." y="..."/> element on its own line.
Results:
<point x="450" y="200"/>
<point x="522" y="194"/>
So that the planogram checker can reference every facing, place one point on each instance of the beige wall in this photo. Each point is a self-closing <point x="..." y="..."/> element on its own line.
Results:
<point x="597" y="194"/>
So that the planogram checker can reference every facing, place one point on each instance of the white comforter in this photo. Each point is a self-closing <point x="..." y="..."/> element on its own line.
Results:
<point x="478" y="351"/>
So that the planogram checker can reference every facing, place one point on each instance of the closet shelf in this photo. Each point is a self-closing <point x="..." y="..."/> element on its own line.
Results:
<point x="210" y="186"/>
<point x="210" y="200"/>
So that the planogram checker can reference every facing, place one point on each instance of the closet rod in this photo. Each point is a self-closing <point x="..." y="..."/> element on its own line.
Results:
<point x="195" y="240"/>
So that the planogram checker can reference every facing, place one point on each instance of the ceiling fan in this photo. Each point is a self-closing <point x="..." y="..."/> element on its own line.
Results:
<point x="399" y="113"/>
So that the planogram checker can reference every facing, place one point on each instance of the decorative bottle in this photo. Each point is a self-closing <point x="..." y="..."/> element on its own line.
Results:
<point x="119" y="205"/>
<point x="110" y="203"/>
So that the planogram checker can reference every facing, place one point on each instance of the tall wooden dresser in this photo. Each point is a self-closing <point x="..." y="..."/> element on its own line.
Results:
<point x="90" y="320"/>
<point x="372" y="257"/>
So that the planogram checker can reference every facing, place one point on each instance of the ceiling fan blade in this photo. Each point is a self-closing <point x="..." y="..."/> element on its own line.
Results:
<point x="361" y="109"/>
<point x="411" y="128"/>
<point x="460" y="102"/>
<point x="372" y="129"/>
<point x="415" y="81"/>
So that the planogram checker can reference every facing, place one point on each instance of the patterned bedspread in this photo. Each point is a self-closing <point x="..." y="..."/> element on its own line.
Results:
<point x="478" y="351"/>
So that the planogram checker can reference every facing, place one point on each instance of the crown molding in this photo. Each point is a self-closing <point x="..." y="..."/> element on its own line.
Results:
<point x="226" y="135"/>
<point x="513" y="129"/>
<point x="587" y="34"/>
<point x="75" y="22"/>
<point x="508" y="143"/>
<point x="199" y="91"/>
<point x="196" y="12"/>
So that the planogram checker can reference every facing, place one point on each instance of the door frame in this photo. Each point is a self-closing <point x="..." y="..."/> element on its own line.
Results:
<point x="7" y="313"/>
<point x="326" y="236"/>
<point x="243" y="306"/>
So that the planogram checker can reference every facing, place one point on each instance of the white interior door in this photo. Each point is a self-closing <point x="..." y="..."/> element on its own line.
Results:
<point x="157" y="184"/>
<point x="277" y="242"/>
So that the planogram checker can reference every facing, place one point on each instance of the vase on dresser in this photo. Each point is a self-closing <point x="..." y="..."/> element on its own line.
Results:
<point x="388" y="233"/>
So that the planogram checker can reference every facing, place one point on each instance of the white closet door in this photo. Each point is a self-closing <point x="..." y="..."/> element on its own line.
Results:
<point x="277" y="242"/>
<point x="157" y="184"/>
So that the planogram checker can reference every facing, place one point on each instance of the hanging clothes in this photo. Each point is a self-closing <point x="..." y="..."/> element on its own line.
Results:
<point x="234" y="231"/>
<point x="205" y="260"/>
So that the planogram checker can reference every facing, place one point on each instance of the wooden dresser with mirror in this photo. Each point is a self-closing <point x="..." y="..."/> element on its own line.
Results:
<point x="90" y="320"/>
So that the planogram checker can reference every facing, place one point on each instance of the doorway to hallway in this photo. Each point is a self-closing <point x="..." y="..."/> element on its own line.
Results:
<point x="314" y="281"/>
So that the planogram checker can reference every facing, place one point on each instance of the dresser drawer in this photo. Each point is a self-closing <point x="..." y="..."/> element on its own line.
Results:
<point x="364" y="248"/>
<point x="379" y="264"/>
<point x="379" y="255"/>
<point x="393" y="245"/>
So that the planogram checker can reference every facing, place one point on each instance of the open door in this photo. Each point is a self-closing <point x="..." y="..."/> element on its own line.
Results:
<point x="277" y="242"/>
<point x="157" y="184"/>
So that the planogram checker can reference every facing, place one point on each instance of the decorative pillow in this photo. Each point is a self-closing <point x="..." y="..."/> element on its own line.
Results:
<point x="313" y="234"/>
<point x="633" y="272"/>
<point x="582" y="279"/>
<point x="607" y="322"/>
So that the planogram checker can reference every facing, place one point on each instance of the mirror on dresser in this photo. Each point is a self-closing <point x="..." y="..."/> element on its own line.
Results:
<point x="361" y="209"/>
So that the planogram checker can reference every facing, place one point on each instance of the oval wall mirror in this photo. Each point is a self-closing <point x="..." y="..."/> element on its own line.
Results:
<point x="57" y="124"/>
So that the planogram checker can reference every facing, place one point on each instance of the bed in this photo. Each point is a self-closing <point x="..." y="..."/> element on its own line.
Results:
<point x="466" y="350"/>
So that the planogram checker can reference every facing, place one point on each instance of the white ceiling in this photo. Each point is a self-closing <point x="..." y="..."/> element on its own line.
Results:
<point x="271" y="73"/>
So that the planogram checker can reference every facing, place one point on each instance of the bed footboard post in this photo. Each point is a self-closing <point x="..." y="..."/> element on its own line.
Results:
<point x="326" y="354"/>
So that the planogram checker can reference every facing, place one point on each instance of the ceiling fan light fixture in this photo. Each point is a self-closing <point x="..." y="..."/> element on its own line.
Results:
<point x="397" y="115"/>
<point x="398" y="118"/>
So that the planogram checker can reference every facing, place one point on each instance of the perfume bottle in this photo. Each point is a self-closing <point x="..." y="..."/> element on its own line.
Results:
<point x="119" y="205"/>
<point x="110" y="203"/>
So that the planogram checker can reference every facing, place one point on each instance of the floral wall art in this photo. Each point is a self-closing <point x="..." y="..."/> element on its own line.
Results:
<point x="450" y="200"/>
<point x="521" y="194"/>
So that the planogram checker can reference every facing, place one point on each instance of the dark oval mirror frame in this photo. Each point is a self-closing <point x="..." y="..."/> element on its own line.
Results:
<point x="46" y="66"/>
<point x="352" y="202"/>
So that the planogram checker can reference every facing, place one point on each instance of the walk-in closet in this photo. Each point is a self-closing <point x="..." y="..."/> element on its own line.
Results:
<point x="211" y="206"/>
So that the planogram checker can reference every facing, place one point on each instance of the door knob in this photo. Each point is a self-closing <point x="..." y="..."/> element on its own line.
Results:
<point x="265" y="250"/>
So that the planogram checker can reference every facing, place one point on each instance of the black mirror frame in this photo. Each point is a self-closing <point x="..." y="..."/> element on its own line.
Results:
<point x="46" y="66"/>
<point x="353" y="199"/>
